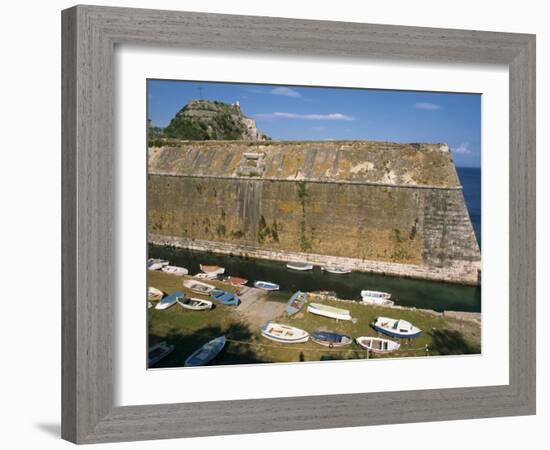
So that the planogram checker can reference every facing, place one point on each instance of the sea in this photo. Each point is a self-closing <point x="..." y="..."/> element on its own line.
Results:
<point x="434" y="295"/>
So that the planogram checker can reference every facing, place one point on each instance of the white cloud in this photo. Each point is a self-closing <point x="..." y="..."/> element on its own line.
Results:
<point x="285" y="91"/>
<point x="287" y="115"/>
<point x="463" y="149"/>
<point x="428" y="106"/>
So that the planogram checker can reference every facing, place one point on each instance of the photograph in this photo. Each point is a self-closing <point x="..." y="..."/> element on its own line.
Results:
<point x="290" y="224"/>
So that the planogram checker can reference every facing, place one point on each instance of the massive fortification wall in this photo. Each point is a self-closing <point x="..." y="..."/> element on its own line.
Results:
<point x="382" y="207"/>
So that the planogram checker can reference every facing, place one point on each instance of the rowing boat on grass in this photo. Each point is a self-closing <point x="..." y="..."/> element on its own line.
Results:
<point x="397" y="328"/>
<point x="225" y="298"/>
<point x="195" y="304"/>
<point x="175" y="270"/>
<point x="154" y="294"/>
<point x="296" y="302"/>
<point x="158" y="352"/>
<point x="329" y="311"/>
<point x="198" y="287"/>
<point x="170" y="300"/>
<point x="331" y="339"/>
<point x="284" y="333"/>
<point x="377" y="345"/>
<point x="206" y="353"/>
<point x="156" y="263"/>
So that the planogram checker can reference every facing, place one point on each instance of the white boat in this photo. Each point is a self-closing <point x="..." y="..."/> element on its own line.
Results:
<point x="377" y="345"/>
<point x="175" y="270"/>
<point x="206" y="353"/>
<point x="266" y="285"/>
<point x="154" y="294"/>
<point x="195" y="304"/>
<point x="158" y="352"/>
<point x="284" y="333"/>
<point x="329" y="311"/>
<point x="337" y="270"/>
<point x="375" y="294"/>
<point x="397" y="328"/>
<point x="198" y="287"/>
<point x="169" y="300"/>
<point x="212" y="269"/>
<point x="206" y="276"/>
<point x="377" y="301"/>
<point x="156" y="263"/>
<point x="302" y="266"/>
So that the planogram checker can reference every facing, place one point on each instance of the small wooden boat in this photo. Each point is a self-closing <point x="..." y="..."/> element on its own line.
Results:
<point x="377" y="345"/>
<point x="154" y="294"/>
<point x="212" y="269"/>
<point x="284" y="333"/>
<point x="175" y="270"/>
<point x="206" y="353"/>
<point x="156" y="263"/>
<point x="375" y="294"/>
<point x="225" y="298"/>
<point x="198" y="287"/>
<point x="331" y="339"/>
<point x="195" y="304"/>
<point x="266" y="285"/>
<point x="322" y="293"/>
<point x="336" y="270"/>
<point x="296" y="302"/>
<point x="397" y="328"/>
<point x="329" y="311"/>
<point x="206" y="276"/>
<point x="158" y="352"/>
<point x="302" y="266"/>
<point x="379" y="301"/>
<point x="235" y="281"/>
<point x="170" y="300"/>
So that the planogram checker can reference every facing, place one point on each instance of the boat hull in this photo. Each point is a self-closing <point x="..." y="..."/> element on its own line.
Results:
<point x="300" y="267"/>
<point x="296" y="303"/>
<point x="206" y="353"/>
<point x="396" y="334"/>
<point x="270" y="331"/>
<point x="377" y="345"/>
<point x="336" y="313"/>
<point x="266" y="286"/>
<point x="330" y="339"/>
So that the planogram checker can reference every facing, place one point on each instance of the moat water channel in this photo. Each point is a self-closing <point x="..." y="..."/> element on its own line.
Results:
<point x="407" y="292"/>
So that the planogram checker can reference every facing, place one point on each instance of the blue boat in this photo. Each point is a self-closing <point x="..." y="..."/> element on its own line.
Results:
<point x="296" y="302"/>
<point x="396" y="328"/>
<point x="266" y="285"/>
<point x="225" y="298"/>
<point x="206" y="353"/>
<point x="331" y="339"/>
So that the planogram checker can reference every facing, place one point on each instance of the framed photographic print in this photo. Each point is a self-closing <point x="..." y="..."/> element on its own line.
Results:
<point x="264" y="230"/>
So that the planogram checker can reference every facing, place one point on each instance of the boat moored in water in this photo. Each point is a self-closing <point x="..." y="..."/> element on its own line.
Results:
<point x="266" y="285"/>
<point x="156" y="263"/>
<point x="206" y="353"/>
<point x="175" y="270"/>
<point x="397" y="328"/>
<point x="302" y="266"/>
<point x="375" y="294"/>
<point x="195" y="304"/>
<point x="211" y="269"/>
<point x="284" y="333"/>
<point x="169" y="300"/>
<point x="329" y="311"/>
<point x="377" y="345"/>
<point x="336" y="270"/>
<point x="198" y="287"/>
<point x="296" y="302"/>
<point x="225" y="298"/>
<point x="331" y="339"/>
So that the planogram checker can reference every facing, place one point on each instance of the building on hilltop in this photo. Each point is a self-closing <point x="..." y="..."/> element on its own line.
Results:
<point x="381" y="207"/>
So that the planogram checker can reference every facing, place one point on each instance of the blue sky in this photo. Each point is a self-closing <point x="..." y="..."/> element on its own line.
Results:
<point x="310" y="113"/>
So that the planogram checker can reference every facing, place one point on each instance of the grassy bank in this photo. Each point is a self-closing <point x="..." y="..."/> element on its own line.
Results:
<point x="190" y="329"/>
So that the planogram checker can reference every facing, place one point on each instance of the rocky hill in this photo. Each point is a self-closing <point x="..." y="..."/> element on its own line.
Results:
<point x="212" y="120"/>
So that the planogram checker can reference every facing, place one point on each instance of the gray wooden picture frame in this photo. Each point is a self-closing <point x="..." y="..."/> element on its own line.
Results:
<point x="90" y="34"/>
